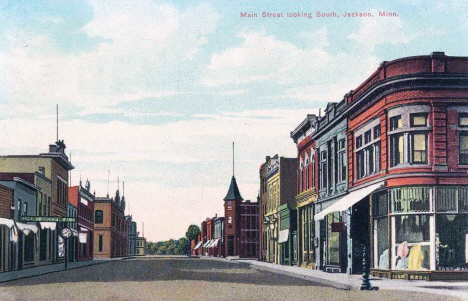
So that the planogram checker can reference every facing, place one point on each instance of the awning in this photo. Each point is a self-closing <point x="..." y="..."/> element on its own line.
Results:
<point x="198" y="245"/>
<point x="283" y="236"/>
<point x="215" y="243"/>
<point x="7" y="222"/>
<point x="83" y="238"/>
<point x="26" y="228"/>
<point x="206" y="244"/>
<point x="348" y="200"/>
<point x="48" y="225"/>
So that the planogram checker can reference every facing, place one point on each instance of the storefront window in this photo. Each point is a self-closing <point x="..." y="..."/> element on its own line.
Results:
<point x="410" y="199"/>
<point x="333" y="242"/>
<point x="451" y="242"/>
<point x="381" y="243"/>
<point x="412" y="247"/>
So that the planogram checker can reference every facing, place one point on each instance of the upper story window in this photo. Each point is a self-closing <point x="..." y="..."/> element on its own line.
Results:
<point x="229" y="205"/>
<point x="367" y="136"/>
<point x="229" y="220"/>
<point x="359" y="142"/>
<point x="463" y="139"/>
<point x="323" y="170"/>
<point x="367" y="154"/>
<point x="377" y="132"/>
<point x="98" y="217"/>
<point x="395" y="123"/>
<point x="463" y="120"/>
<point x="418" y="120"/>
<point x="418" y="147"/>
<point x="342" y="160"/>
<point x="463" y="153"/>
<point x="410" y="144"/>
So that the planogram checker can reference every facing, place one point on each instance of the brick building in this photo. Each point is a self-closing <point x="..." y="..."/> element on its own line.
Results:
<point x="241" y="230"/>
<point x="83" y="200"/>
<point x="306" y="190"/>
<point x="109" y="227"/>
<point x="407" y="146"/>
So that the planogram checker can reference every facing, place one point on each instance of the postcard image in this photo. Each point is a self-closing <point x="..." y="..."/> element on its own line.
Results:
<point x="234" y="150"/>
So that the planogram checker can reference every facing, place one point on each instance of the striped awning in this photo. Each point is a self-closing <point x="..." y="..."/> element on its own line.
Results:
<point x="198" y="245"/>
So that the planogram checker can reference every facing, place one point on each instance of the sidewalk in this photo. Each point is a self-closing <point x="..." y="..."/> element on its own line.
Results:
<point x="51" y="268"/>
<point x="343" y="281"/>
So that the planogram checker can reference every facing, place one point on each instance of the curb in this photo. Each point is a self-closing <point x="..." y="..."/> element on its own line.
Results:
<point x="325" y="282"/>
<point x="54" y="271"/>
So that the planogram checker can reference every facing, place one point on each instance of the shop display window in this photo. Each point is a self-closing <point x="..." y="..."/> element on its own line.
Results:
<point x="410" y="199"/>
<point x="412" y="228"/>
<point x="451" y="242"/>
<point x="333" y="241"/>
<point x="381" y="243"/>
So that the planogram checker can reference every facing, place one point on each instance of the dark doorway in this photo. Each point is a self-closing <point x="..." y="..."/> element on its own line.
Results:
<point x="230" y="245"/>
<point x="360" y="234"/>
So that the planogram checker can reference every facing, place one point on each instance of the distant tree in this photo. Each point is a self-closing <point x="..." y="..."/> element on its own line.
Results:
<point x="192" y="232"/>
<point x="184" y="246"/>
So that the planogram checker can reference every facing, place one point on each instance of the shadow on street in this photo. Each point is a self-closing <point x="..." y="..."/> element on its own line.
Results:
<point x="165" y="270"/>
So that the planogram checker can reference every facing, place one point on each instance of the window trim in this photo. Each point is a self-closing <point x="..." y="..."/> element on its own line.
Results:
<point x="464" y="134"/>
<point x="411" y="118"/>
<point x="395" y="119"/>
<point x="460" y="116"/>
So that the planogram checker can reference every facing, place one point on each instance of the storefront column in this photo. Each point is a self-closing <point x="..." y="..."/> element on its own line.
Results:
<point x="347" y="216"/>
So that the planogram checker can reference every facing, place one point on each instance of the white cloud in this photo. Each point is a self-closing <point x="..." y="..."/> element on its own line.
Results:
<point x="376" y="31"/>
<point x="149" y="54"/>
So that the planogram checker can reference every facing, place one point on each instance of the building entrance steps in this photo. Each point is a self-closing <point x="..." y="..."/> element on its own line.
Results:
<point x="350" y="282"/>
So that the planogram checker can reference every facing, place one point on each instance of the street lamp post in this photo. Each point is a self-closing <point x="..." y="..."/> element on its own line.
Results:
<point x="66" y="234"/>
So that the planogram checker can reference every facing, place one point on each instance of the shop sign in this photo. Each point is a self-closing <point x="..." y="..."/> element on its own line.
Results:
<point x="338" y="227"/>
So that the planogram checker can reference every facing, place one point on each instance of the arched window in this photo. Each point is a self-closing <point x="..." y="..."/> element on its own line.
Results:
<point x="98" y="217"/>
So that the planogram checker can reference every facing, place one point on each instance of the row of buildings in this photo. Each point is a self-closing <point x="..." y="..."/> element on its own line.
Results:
<point x="37" y="202"/>
<point x="382" y="175"/>
<point x="236" y="234"/>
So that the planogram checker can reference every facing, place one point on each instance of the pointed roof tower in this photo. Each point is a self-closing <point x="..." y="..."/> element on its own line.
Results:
<point x="233" y="192"/>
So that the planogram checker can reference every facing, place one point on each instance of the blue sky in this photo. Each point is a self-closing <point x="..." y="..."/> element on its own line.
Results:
<point x="156" y="91"/>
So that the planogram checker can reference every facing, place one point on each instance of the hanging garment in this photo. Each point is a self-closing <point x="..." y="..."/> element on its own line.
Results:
<point x="383" y="262"/>
<point x="402" y="263"/>
<point x="415" y="258"/>
<point x="403" y="249"/>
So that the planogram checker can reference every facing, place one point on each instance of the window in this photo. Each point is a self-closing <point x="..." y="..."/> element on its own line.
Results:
<point x="100" y="243"/>
<point x="418" y="145"/>
<point x="342" y="144"/>
<point x="342" y="166"/>
<point x="395" y="123"/>
<point x="368" y="155"/>
<point x="418" y="120"/>
<point x="229" y="220"/>
<point x="463" y="154"/>
<point x="396" y="150"/>
<point x="358" y="142"/>
<point x="377" y="132"/>
<point x="463" y="120"/>
<point x="323" y="170"/>
<point x="367" y="136"/>
<point x="98" y="217"/>
<point x="25" y="209"/>
<point x="229" y="205"/>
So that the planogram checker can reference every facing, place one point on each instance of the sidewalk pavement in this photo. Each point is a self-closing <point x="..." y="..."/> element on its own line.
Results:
<point x="51" y="268"/>
<point x="343" y="281"/>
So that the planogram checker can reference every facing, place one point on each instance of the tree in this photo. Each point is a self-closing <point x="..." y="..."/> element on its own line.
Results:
<point x="192" y="232"/>
<point x="184" y="246"/>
